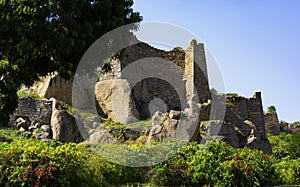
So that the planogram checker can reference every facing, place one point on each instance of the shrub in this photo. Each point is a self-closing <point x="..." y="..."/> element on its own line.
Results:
<point x="289" y="171"/>
<point x="216" y="165"/>
<point x="285" y="145"/>
<point x="30" y="162"/>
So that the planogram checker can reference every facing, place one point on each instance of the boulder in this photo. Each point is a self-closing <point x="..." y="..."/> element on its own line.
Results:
<point x="115" y="99"/>
<point x="158" y="118"/>
<point x="41" y="135"/>
<point x="265" y="146"/>
<point x="170" y="126"/>
<point x="175" y="114"/>
<point x="155" y="134"/>
<point x="63" y="125"/>
<point x="32" y="128"/>
<point x="26" y="134"/>
<point x="246" y="127"/>
<point x="22" y="123"/>
<point x="46" y="128"/>
<point x="102" y="137"/>
<point x="55" y="86"/>
<point x="218" y="127"/>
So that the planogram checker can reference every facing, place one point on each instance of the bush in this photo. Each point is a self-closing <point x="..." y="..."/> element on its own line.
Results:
<point x="289" y="171"/>
<point x="285" y="145"/>
<point x="216" y="165"/>
<point x="175" y="171"/>
<point x="30" y="162"/>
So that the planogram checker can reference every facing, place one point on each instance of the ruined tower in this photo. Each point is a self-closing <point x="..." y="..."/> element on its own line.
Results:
<point x="196" y="72"/>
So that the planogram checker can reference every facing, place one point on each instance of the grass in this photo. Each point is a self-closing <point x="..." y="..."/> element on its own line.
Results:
<point x="8" y="133"/>
<point x="117" y="129"/>
<point x="30" y="94"/>
<point x="146" y="124"/>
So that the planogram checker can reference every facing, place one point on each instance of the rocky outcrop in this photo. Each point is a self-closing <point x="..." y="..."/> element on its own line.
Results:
<point x="115" y="99"/>
<point x="175" y="125"/>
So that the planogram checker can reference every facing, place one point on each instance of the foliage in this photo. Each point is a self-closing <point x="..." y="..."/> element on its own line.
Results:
<point x="38" y="37"/>
<point x="232" y="94"/>
<point x="117" y="129"/>
<point x="286" y="148"/>
<point x="28" y="94"/>
<point x="218" y="164"/>
<point x="295" y="124"/>
<point x="283" y="123"/>
<point x="9" y="134"/>
<point x="214" y="91"/>
<point x="31" y="162"/>
<point x="27" y="162"/>
<point x="289" y="170"/>
<point x="285" y="145"/>
<point x="271" y="109"/>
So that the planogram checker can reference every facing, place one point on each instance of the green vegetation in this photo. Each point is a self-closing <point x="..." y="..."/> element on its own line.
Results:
<point x="30" y="94"/>
<point x="214" y="91"/>
<point x="271" y="109"/>
<point x="216" y="165"/>
<point x="31" y="162"/>
<point x="117" y="129"/>
<point x="295" y="124"/>
<point x="232" y="94"/>
<point x="286" y="145"/>
<point x="38" y="37"/>
<point x="286" y="150"/>
<point x="9" y="134"/>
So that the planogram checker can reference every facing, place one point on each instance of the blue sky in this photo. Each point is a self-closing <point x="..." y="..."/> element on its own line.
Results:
<point x="256" y="43"/>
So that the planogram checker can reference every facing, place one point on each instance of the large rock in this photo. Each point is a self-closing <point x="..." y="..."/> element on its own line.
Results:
<point x="181" y="128"/>
<point x="102" y="137"/>
<point x="247" y="127"/>
<point x="158" y="118"/>
<point x="221" y="131"/>
<point x="114" y="97"/>
<point x="218" y="127"/>
<point x="155" y="134"/>
<point x="63" y="125"/>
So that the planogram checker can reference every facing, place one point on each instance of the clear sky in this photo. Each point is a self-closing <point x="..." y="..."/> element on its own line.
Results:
<point x="256" y="43"/>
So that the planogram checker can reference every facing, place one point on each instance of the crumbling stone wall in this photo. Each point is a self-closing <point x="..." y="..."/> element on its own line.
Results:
<point x="272" y="123"/>
<point x="240" y="108"/>
<point x="55" y="86"/>
<point x="152" y="88"/>
<point x="192" y="72"/>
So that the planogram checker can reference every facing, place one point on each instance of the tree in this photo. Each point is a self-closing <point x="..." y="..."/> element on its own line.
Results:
<point x="42" y="36"/>
<point x="295" y="124"/>
<point x="271" y="109"/>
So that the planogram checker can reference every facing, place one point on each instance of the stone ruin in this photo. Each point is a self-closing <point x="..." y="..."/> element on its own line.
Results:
<point x="243" y="124"/>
